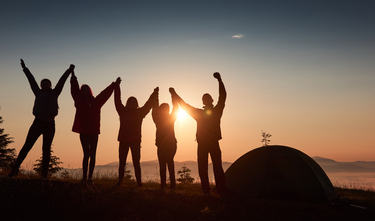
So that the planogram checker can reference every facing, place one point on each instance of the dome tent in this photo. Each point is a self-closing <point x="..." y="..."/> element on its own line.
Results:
<point x="279" y="171"/>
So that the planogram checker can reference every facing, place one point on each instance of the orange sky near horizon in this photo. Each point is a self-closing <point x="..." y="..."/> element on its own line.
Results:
<point x="303" y="72"/>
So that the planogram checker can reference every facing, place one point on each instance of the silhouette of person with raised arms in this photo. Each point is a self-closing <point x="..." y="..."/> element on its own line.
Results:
<point x="45" y="110"/>
<point x="208" y="135"/>
<point x="165" y="139"/>
<point x="129" y="136"/>
<point x="87" y="121"/>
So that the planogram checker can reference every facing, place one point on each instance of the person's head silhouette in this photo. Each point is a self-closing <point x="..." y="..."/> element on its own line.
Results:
<point x="46" y="84"/>
<point x="132" y="103"/>
<point x="207" y="100"/>
<point x="86" y="91"/>
<point x="164" y="108"/>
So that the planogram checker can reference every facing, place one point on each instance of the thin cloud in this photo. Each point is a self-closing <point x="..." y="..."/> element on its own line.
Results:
<point x="238" y="36"/>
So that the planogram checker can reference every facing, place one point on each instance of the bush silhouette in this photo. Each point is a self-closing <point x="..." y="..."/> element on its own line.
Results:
<point x="185" y="177"/>
<point x="53" y="166"/>
<point x="7" y="155"/>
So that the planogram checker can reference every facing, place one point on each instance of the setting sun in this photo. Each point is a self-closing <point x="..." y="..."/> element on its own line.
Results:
<point x="181" y="114"/>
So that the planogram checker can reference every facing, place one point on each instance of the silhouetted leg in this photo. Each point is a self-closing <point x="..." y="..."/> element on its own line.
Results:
<point x="203" y="168"/>
<point x="172" y="176"/>
<point x="170" y="162"/>
<point x="93" y="146"/>
<point x="136" y="156"/>
<point x="32" y="136"/>
<point x="123" y="154"/>
<point x="48" y="135"/>
<point x="218" y="168"/>
<point x="162" y="166"/>
<point x="86" y="148"/>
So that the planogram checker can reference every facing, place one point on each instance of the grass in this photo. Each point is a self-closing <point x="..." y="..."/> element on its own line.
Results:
<point x="31" y="198"/>
<point x="360" y="184"/>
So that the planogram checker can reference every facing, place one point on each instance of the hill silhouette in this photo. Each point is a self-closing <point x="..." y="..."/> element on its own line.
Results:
<point x="331" y="166"/>
<point x="150" y="169"/>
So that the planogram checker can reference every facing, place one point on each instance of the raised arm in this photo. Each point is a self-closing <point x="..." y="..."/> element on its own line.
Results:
<point x="118" y="104"/>
<point x="189" y="109"/>
<point x="150" y="102"/>
<point x="176" y="107"/>
<point x="222" y="91"/>
<point x="34" y="86"/>
<point x="155" y="109"/>
<point x="107" y="92"/>
<point x="61" y="82"/>
<point x="74" y="86"/>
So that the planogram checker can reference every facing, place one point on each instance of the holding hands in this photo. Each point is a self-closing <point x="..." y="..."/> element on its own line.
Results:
<point x="71" y="68"/>
<point x="118" y="81"/>
<point x="172" y="91"/>
<point x="175" y="97"/>
<point x="156" y="92"/>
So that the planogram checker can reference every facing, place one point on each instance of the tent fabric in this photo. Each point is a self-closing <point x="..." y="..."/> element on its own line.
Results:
<point x="279" y="171"/>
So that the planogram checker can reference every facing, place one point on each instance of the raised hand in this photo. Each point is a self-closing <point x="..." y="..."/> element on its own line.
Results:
<point x="118" y="81"/>
<point x="23" y="64"/>
<point x="172" y="91"/>
<point x="71" y="69"/>
<point x="156" y="89"/>
<point x="217" y="75"/>
<point x="175" y="97"/>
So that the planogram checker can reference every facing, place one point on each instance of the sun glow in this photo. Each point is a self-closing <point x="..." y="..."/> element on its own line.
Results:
<point x="181" y="114"/>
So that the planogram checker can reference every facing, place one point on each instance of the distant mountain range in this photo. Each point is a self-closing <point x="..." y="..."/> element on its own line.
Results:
<point x="331" y="166"/>
<point x="150" y="169"/>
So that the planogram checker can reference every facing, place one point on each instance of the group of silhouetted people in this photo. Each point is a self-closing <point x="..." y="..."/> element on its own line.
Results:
<point x="87" y="124"/>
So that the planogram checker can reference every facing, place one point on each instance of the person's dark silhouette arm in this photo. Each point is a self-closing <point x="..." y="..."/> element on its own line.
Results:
<point x="62" y="80"/>
<point x="186" y="107"/>
<point x="118" y="104"/>
<point x="155" y="110"/>
<point x="222" y="91"/>
<point x="74" y="86"/>
<point x="107" y="92"/>
<point x="34" y="86"/>
<point x="175" y="108"/>
<point x="150" y="102"/>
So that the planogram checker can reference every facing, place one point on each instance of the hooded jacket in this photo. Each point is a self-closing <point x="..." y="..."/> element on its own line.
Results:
<point x="131" y="119"/>
<point x="87" y="117"/>
<point x="45" y="104"/>
<point x="164" y="125"/>
<point x="208" y="119"/>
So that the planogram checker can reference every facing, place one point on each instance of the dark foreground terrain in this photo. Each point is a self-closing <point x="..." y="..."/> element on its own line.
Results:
<point x="36" y="199"/>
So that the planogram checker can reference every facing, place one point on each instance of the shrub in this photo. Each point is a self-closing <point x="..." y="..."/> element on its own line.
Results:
<point x="185" y="177"/>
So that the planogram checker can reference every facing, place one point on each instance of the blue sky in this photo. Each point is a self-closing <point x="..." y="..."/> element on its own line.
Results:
<point x="301" y="70"/>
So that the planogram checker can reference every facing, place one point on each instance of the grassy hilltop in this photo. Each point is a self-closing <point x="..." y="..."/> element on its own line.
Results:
<point x="57" y="199"/>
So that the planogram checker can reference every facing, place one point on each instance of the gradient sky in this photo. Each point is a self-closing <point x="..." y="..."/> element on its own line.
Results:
<point x="302" y="71"/>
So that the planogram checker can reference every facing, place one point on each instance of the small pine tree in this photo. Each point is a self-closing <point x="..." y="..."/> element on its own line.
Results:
<point x="266" y="137"/>
<point x="7" y="155"/>
<point x="185" y="177"/>
<point x="53" y="166"/>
